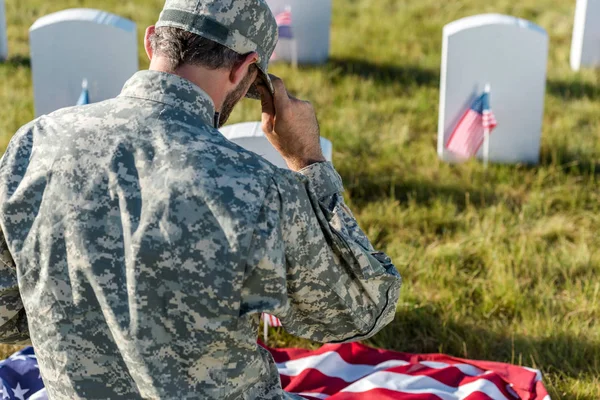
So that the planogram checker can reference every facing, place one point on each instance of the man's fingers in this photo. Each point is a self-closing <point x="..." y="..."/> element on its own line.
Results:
<point x="282" y="100"/>
<point x="266" y="99"/>
<point x="267" y="124"/>
<point x="268" y="108"/>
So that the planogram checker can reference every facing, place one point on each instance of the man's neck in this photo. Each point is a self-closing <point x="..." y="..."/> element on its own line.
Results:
<point x="210" y="81"/>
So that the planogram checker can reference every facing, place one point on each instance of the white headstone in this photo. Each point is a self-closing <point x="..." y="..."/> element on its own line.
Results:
<point x="250" y="136"/>
<point x="311" y="24"/>
<point x="511" y="55"/>
<point x="72" y="45"/>
<point x="3" y="36"/>
<point x="585" y="49"/>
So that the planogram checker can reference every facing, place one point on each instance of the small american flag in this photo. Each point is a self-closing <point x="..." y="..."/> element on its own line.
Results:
<point x="469" y="134"/>
<point x="284" y="23"/>
<point x="84" y="98"/>
<point x="270" y="320"/>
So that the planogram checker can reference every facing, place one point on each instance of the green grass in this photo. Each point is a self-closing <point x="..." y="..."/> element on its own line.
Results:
<point x="500" y="264"/>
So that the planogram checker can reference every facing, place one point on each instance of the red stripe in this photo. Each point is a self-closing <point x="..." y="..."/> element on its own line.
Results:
<point x="385" y="394"/>
<point x="314" y="381"/>
<point x="465" y="139"/>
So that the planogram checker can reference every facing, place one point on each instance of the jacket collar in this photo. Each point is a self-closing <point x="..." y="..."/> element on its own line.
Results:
<point x="173" y="91"/>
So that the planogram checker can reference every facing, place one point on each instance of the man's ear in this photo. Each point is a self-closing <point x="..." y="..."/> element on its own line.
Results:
<point x="147" y="45"/>
<point x="240" y="70"/>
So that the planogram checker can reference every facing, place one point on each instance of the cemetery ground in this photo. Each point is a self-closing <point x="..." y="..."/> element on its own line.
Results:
<point x="502" y="264"/>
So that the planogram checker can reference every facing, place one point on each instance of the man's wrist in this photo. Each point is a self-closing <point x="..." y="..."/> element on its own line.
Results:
<point x="298" y="163"/>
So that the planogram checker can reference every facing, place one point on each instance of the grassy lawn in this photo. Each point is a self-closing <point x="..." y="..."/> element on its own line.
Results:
<point x="500" y="264"/>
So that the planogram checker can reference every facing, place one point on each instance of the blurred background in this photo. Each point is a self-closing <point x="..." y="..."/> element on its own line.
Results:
<point x="498" y="264"/>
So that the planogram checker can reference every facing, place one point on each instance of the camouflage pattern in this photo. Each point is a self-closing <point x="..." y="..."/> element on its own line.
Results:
<point x="244" y="26"/>
<point x="147" y="245"/>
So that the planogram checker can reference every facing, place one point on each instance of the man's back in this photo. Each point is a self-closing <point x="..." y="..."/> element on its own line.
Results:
<point x="147" y="246"/>
<point x="133" y="259"/>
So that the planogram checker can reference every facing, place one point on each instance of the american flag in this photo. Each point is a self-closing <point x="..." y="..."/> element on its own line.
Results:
<point x="84" y="98"/>
<point x="284" y="23"/>
<point x="20" y="377"/>
<point x="349" y="371"/>
<point x="468" y="136"/>
<point x="357" y="372"/>
<point x="270" y="320"/>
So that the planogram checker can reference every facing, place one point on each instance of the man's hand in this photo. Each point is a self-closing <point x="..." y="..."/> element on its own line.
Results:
<point x="291" y="126"/>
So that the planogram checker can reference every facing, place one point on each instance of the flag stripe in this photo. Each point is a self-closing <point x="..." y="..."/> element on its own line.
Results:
<point x="468" y="136"/>
<point x="314" y="381"/>
<point x="353" y="371"/>
<point x="425" y="385"/>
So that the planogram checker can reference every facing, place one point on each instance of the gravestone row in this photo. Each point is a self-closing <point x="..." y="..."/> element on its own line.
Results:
<point x="508" y="53"/>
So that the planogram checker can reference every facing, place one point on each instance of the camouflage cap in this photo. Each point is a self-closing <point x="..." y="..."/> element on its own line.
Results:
<point x="243" y="26"/>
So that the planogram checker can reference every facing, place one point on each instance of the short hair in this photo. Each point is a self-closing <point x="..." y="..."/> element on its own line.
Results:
<point x="181" y="47"/>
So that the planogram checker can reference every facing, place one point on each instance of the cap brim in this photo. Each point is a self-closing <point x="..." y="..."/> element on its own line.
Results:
<point x="263" y="78"/>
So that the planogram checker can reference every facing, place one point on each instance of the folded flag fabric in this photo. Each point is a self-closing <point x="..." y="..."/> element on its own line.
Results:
<point x="349" y="372"/>
<point x="354" y="371"/>
<point x="20" y="377"/>
<point x="84" y="97"/>
<point x="468" y="136"/>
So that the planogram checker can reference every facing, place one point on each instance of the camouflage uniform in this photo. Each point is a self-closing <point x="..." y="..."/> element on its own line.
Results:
<point x="146" y="246"/>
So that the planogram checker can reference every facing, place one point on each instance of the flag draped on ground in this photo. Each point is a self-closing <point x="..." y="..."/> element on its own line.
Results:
<point x="20" y="377"/>
<point x="354" y="371"/>
<point x="349" y="372"/>
<point x="468" y="136"/>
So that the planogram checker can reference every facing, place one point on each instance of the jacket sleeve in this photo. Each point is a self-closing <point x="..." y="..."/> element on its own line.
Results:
<point x="313" y="267"/>
<point x="13" y="320"/>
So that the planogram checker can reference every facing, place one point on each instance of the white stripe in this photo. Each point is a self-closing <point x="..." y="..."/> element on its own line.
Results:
<point x="332" y="365"/>
<point x="315" y="395"/>
<point x="464" y="368"/>
<point x="537" y="372"/>
<point x="424" y="385"/>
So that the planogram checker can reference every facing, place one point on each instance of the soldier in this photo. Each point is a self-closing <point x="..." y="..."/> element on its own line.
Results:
<point x="140" y="247"/>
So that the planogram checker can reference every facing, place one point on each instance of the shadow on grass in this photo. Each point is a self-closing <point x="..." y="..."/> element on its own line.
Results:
<point x="366" y="189"/>
<point x="17" y="61"/>
<point x="569" y="162"/>
<point x="573" y="90"/>
<point x="383" y="73"/>
<point x="424" y="330"/>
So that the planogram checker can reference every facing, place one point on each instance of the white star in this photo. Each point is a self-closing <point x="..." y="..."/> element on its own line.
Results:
<point x="20" y="357"/>
<point x="19" y="393"/>
<point x="5" y="394"/>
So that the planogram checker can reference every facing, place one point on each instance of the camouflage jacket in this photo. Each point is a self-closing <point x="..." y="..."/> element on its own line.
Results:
<point x="146" y="246"/>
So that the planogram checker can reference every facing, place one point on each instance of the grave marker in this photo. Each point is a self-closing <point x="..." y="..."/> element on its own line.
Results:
<point x="511" y="55"/>
<point x="3" y="36"/>
<point x="311" y="23"/>
<point x="250" y="136"/>
<point x="72" y="45"/>
<point x="585" y="48"/>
